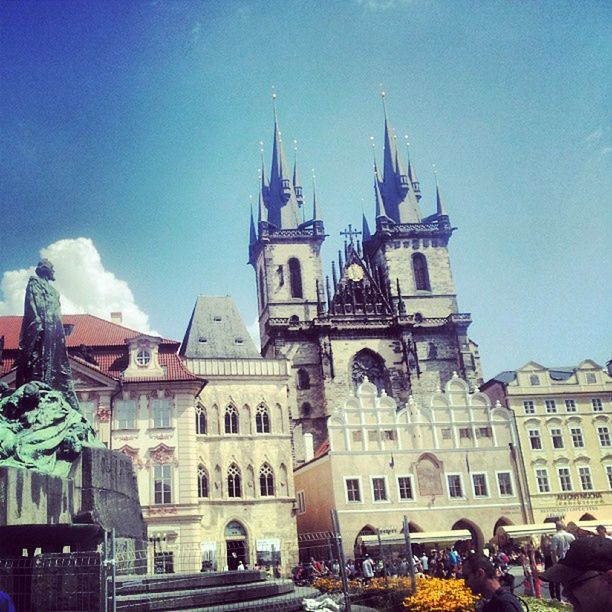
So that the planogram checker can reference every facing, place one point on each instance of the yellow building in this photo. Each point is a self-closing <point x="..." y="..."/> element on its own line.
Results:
<point x="564" y="423"/>
<point x="447" y="464"/>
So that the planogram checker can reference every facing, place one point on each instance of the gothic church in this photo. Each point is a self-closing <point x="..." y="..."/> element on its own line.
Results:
<point x="389" y="311"/>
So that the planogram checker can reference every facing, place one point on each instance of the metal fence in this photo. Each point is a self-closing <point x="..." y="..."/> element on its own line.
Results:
<point x="54" y="582"/>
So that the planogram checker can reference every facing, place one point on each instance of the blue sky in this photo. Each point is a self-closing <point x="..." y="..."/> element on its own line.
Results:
<point x="136" y="125"/>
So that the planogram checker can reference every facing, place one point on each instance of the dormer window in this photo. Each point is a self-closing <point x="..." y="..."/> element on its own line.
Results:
<point x="143" y="358"/>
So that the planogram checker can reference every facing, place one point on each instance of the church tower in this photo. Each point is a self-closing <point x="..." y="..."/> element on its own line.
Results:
<point x="389" y="311"/>
<point x="284" y="251"/>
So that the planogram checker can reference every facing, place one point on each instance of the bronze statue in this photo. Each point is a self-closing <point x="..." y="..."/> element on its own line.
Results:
<point x="42" y="343"/>
<point x="41" y="426"/>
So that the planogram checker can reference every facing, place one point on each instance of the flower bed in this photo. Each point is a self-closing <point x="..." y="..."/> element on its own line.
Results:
<point x="441" y="595"/>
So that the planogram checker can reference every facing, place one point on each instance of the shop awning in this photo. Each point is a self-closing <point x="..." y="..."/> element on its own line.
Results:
<point x="416" y="537"/>
<point x="525" y="531"/>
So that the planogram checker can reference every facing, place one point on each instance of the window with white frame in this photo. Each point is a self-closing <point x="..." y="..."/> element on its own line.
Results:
<point x="353" y="490"/>
<point x="202" y="482"/>
<point x="586" y="482"/>
<point x="300" y="498"/>
<point x="565" y="479"/>
<point x="577" y="438"/>
<point x="446" y="433"/>
<point x="529" y="406"/>
<point x="404" y="485"/>
<point x="542" y="480"/>
<point x="609" y="476"/>
<point x="234" y="483"/>
<point x="597" y="404"/>
<point x="534" y="439"/>
<point x="201" y="424"/>
<point x="125" y="414"/>
<point x="534" y="379"/>
<point x="162" y="483"/>
<point x="479" y="482"/>
<point x="604" y="436"/>
<point x="483" y="432"/>
<point x="551" y="406"/>
<point x="379" y="489"/>
<point x="231" y="420"/>
<point x="504" y="483"/>
<point x="455" y="490"/>
<point x="262" y="419"/>
<point x="161" y="413"/>
<point x="465" y="432"/>
<point x="570" y="405"/>
<point x="266" y="480"/>
<point x="556" y="437"/>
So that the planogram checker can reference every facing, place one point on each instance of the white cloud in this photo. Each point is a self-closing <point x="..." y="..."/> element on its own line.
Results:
<point x="84" y="285"/>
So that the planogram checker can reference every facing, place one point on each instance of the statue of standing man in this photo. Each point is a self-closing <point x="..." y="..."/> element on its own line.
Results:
<point x="42" y="343"/>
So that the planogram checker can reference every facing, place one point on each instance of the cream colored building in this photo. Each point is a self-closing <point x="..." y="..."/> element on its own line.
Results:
<point x="241" y="447"/>
<point x="447" y="463"/>
<point x="564" y="423"/>
<point x="173" y="423"/>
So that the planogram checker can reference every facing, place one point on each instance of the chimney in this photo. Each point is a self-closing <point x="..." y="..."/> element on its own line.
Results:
<point x="308" y="446"/>
<point x="117" y="317"/>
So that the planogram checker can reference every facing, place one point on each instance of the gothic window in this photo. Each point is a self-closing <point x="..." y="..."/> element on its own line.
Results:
<point x="231" y="420"/>
<point x="262" y="419"/>
<point x="202" y="481"/>
<point x="421" y="275"/>
<point x="201" y="425"/>
<point x="303" y="380"/>
<point x="295" y="278"/>
<point x="233" y="481"/>
<point x="367" y="363"/>
<point x="266" y="481"/>
<point x="262" y="289"/>
<point x="306" y="409"/>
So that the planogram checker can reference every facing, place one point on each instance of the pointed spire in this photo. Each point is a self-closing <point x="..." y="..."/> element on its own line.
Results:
<point x="440" y="210"/>
<point x="264" y="180"/>
<point x="380" y="205"/>
<point x="316" y="212"/>
<point x="261" y="212"/>
<point x="297" y="184"/>
<point x="252" y="232"/>
<point x="365" y="229"/>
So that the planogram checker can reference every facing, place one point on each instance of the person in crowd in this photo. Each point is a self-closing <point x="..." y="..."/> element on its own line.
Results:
<point x="367" y="568"/>
<point x="602" y="532"/>
<point x="240" y="567"/>
<point x="585" y="573"/>
<point x="559" y="545"/>
<point x="425" y="563"/>
<point x="506" y="579"/>
<point x="480" y="576"/>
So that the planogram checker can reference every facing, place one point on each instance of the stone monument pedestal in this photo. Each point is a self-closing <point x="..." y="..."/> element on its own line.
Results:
<point x="49" y="513"/>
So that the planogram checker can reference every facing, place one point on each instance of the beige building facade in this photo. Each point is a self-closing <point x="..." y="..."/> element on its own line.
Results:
<point x="209" y="437"/>
<point x="447" y="463"/>
<point x="564" y="422"/>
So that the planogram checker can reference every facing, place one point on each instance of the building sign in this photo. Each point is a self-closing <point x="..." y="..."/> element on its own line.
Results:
<point x="591" y="498"/>
<point x="268" y="551"/>
<point x="209" y="556"/>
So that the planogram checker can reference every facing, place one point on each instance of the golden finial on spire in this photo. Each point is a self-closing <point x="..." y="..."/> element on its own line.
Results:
<point x="435" y="171"/>
<point x="295" y="145"/>
<point x="407" y="146"/>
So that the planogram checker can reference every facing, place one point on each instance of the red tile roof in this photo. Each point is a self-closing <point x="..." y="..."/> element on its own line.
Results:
<point x="322" y="450"/>
<point x="88" y="330"/>
<point x="107" y="343"/>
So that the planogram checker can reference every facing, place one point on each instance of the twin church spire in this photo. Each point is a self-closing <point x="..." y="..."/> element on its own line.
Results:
<point x="281" y="203"/>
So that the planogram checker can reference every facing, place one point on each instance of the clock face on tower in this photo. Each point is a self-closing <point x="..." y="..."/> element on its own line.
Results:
<point x="355" y="272"/>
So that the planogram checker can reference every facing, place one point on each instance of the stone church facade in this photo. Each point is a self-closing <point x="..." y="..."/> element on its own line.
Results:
<point x="389" y="311"/>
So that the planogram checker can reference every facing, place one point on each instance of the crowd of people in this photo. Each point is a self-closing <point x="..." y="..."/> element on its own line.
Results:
<point x="563" y="561"/>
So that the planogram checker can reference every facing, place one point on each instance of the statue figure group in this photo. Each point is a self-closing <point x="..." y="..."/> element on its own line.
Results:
<point x="41" y="426"/>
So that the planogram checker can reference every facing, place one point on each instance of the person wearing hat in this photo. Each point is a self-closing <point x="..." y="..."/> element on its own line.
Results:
<point x="585" y="573"/>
